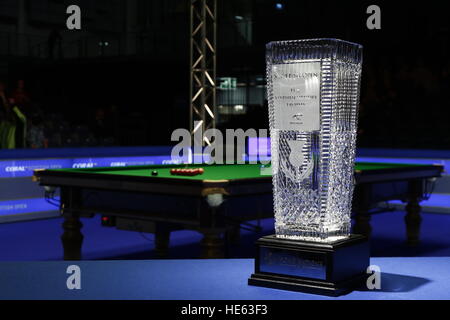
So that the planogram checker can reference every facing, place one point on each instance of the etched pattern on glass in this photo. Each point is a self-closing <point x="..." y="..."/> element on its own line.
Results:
<point x="313" y="170"/>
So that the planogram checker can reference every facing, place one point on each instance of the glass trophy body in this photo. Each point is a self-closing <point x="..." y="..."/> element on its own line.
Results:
<point x="313" y="91"/>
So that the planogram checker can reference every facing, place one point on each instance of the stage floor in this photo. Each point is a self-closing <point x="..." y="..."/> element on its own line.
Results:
<point x="401" y="278"/>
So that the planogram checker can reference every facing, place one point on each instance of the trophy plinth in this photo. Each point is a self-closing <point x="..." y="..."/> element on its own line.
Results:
<point x="313" y="89"/>
<point x="331" y="269"/>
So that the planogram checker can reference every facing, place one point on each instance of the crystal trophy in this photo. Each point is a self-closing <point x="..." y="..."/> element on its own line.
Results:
<point x="313" y="91"/>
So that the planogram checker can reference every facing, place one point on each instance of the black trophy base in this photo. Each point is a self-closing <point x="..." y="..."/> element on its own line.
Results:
<point x="330" y="269"/>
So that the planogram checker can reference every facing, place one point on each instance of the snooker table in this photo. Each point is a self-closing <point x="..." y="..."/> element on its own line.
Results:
<point x="217" y="203"/>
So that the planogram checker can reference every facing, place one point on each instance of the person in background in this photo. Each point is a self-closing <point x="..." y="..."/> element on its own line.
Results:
<point x="22" y="108"/>
<point x="19" y="123"/>
<point x="3" y="101"/>
<point x="7" y="125"/>
<point x="35" y="135"/>
<point x="22" y="98"/>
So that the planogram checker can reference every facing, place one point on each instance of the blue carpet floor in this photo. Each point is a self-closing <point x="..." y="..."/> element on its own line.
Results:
<point x="39" y="240"/>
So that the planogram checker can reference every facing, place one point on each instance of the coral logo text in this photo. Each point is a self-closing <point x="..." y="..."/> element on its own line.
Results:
<point x="15" y="169"/>
<point x="118" y="164"/>
<point x="82" y="165"/>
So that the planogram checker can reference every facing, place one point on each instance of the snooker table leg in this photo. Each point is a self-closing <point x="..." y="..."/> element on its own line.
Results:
<point x="234" y="235"/>
<point x="72" y="238"/>
<point x="162" y="240"/>
<point x="413" y="218"/>
<point x="212" y="245"/>
<point x="212" y="226"/>
<point x="362" y="206"/>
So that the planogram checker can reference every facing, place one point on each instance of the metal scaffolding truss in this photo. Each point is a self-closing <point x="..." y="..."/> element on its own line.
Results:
<point x="203" y="68"/>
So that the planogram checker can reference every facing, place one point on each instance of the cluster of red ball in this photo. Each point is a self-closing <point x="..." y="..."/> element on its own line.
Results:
<point x="187" y="172"/>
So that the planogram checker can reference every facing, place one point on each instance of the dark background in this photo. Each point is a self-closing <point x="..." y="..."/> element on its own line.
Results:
<point x="124" y="78"/>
